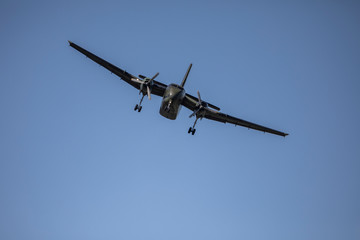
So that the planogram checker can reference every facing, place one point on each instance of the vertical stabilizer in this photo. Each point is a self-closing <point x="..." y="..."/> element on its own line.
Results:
<point x="186" y="75"/>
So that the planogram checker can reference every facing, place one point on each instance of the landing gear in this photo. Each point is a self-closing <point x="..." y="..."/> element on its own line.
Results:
<point x="167" y="107"/>
<point x="138" y="107"/>
<point x="192" y="129"/>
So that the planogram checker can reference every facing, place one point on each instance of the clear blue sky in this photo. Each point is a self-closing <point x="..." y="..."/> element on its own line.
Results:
<point x="76" y="162"/>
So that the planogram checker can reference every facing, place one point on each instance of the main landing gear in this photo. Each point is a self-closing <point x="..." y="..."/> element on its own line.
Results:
<point x="192" y="129"/>
<point x="138" y="107"/>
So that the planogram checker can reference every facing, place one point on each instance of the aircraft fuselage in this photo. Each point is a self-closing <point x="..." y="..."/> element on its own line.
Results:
<point x="172" y="99"/>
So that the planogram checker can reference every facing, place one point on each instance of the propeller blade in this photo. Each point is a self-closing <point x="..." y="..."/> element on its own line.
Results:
<point x="148" y="92"/>
<point x="199" y="96"/>
<point x="157" y="74"/>
<point x="206" y="104"/>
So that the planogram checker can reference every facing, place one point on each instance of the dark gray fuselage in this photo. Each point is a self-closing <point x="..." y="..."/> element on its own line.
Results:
<point x="172" y="99"/>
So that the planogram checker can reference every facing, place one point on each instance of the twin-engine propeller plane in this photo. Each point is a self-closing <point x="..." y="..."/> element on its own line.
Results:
<point x="174" y="96"/>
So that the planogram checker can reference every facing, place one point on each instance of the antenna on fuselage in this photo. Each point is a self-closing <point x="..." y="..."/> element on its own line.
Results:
<point x="186" y="75"/>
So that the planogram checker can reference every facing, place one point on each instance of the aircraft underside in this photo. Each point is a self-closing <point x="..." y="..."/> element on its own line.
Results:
<point x="174" y="96"/>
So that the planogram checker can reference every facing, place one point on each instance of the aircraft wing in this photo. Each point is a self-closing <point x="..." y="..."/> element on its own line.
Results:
<point x="158" y="88"/>
<point x="190" y="102"/>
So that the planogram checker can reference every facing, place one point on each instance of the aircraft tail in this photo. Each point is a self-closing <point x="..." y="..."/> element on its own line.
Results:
<point x="186" y="75"/>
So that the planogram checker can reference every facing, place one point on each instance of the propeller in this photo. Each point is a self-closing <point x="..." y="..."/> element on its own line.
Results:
<point x="200" y="105"/>
<point x="146" y="82"/>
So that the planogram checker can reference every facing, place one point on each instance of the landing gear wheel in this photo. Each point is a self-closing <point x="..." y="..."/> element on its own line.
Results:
<point x="192" y="131"/>
<point x="139" y="110"/>
<point x="189" y="131"/>
<point x="136" y="107"/>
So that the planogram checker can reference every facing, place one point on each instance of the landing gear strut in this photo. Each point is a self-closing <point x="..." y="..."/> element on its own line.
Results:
<point x="138" y="107"/>
<point x="167" y="107"/>
<point x="192" y="129"/>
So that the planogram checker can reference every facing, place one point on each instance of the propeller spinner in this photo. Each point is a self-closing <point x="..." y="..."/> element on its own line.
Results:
<point x="146" y="82"/>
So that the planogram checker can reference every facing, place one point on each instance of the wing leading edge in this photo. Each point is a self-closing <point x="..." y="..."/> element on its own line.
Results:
<point x="190" y="103"/>
<point x="158" y="87"/>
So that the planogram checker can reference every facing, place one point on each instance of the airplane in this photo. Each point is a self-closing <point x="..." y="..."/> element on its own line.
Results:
<point x="174" y="96"/>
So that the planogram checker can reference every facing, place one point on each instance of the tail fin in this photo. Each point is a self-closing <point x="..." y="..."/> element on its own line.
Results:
<point x="186" y="75"/>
